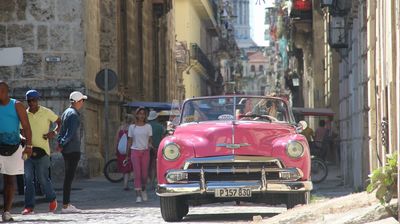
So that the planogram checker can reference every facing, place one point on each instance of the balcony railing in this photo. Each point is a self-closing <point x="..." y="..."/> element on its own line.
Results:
<point x="197" y="54"/>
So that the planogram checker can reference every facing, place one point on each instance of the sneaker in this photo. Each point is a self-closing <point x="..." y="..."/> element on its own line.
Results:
<point x="138" y="199"/>
<point x="70" y="209"/>
<point x="144" y="195"/>
<point x="27" y="211"/>
<point x="7" y="217"/>
<point x="53" y="206"/>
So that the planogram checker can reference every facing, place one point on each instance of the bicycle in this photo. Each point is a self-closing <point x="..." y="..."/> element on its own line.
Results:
<point x="319" y="169"/>
<point x="111" y="171"/>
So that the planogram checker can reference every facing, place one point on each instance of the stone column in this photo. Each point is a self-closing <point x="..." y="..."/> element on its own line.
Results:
<point x="397" y="16"/>
<point x="371" y="68"/>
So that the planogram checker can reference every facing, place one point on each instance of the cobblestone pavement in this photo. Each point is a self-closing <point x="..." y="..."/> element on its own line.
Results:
<point x="104" y="202"/>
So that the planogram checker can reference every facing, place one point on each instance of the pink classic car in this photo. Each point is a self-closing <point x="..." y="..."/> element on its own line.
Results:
<point x="233" y="148"/>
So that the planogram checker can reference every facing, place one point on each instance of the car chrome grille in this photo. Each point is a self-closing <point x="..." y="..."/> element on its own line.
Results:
<point x="240" y="165"/>
<point x="233" y="168"/>
<point x="233" y="177"/>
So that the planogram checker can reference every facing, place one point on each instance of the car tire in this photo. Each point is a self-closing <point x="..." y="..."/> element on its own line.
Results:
<point x="173" y="209"/>
<point x="184" y="209"/>
<point x="297" y="199"/>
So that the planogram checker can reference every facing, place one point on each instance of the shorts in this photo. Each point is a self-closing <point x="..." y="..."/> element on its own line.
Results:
<point x="12" y="165"/>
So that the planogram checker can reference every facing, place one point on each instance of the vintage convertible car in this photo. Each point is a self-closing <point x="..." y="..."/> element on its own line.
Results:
<point x="233" y="148"/>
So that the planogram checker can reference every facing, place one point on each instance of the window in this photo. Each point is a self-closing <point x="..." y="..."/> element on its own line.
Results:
<point x="253" y="68"/>
<point x="260" y="68"/>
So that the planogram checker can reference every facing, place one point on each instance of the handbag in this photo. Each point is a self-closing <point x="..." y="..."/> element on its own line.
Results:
<point x="123" y="141"/>
<point x="38" y="153"/>
<point x="8" y="150"/>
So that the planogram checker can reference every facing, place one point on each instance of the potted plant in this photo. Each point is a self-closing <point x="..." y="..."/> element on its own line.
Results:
<point x="384" y="181"/>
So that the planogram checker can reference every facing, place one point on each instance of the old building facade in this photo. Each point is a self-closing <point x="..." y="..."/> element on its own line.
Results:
<point x="206" y="50"/>
<point x="161" y="50"/>
<point x="369" y="90"/>
<point x="66" y="43"/>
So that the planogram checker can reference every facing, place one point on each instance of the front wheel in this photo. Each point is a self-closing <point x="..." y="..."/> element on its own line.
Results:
<point x="294" y="199"/>
<point x="319" y="170"/>
<point x="111" y="171"/>
<point x="173" y="209"/>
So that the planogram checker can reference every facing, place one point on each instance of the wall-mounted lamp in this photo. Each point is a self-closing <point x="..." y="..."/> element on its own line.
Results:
<point x="337" y="31"/>
<point x="326" y="3"/>
<point x="295" y="80"/>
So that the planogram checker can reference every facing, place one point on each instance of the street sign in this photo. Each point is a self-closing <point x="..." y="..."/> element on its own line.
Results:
<point x="101" y="79"/>
<point x="11" y="56"/>
<point x="53" y="59"/>
<point x="106" y="80"/>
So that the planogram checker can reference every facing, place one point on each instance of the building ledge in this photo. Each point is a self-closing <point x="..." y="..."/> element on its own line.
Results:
<point x="208" y="11"/>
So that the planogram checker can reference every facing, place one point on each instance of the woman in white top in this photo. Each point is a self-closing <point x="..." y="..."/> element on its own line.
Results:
<point x="139" y="142"/>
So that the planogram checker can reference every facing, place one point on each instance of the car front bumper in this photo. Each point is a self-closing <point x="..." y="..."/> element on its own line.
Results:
<point x="168" y="190"/>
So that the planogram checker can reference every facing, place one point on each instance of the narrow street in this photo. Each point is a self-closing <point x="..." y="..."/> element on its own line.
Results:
<point x="214" y="100"/>
<point x="105" y="202"/>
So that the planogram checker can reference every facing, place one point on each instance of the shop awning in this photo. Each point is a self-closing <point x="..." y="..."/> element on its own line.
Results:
<point x="157" y="106"/>
<point x="319" y="112"/>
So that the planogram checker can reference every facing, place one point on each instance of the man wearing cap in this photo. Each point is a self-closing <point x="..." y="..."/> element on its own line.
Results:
<point x="69" y="141"/>
<point x="13" y="114"/>
<point x="40" y="119"/>
<point x="158" y="132"/>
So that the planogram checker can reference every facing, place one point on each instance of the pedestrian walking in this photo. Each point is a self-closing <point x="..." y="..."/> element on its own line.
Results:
<point x="12" y="114"/>
<point x="158" y="134"/>
<point x="69" y="143"/>
<point x="320" y="139"/>
<point x="121" y="141"/>
<point x="139" y="142"/>
<point x="40" y="119"/>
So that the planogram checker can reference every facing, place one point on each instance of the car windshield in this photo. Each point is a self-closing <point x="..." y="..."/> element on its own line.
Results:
<point x="236" y="108"/>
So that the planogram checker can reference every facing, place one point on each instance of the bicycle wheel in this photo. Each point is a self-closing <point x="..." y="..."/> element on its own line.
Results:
<point x="111" y="171"/>
<point x="319" y="170"/>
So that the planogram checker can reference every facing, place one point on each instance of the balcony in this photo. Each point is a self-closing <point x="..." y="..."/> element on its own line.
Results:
<point x="197" y="54"/>
<point x="208" y="11"/>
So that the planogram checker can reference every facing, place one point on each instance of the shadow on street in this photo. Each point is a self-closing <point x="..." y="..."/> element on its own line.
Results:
<point x="225" y="217"/>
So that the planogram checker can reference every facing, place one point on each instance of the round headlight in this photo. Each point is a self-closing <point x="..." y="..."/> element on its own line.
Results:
<point x="171" y="151"/>
<point x="294" y="149"/>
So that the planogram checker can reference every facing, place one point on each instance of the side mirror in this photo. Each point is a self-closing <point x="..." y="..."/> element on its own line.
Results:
<point x="170" y="131"/>
<point x="170" y="128"/>
<point x="301" y="126"/>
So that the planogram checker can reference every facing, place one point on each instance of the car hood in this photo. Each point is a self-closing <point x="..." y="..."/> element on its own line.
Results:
<point x="239" y="137"/>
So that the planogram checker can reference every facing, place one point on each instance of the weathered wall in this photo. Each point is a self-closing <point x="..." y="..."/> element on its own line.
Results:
<point x="45" y="28"/>
<point x="88" y="35"/>
<point x="80" y="32"/>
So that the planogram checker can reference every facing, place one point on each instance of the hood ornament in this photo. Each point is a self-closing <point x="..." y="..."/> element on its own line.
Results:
<point x="233" y="145"/>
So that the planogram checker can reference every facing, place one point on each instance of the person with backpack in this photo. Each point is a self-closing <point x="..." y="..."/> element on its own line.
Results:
<point x="121" y="141"/>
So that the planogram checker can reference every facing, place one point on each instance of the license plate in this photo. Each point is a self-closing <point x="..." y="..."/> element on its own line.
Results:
<point x="233" y="193"/>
